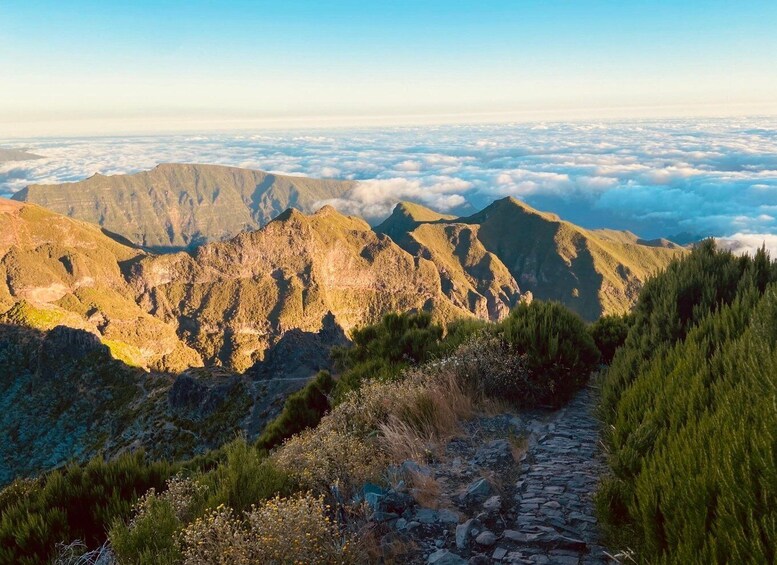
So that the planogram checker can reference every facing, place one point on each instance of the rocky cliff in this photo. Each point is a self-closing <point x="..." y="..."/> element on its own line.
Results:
<point x="232" y="300"/>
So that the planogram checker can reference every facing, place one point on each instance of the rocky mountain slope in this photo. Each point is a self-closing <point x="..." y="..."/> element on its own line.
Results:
<point x="100" y="340"/>
<point x="488" y="255"/>
<point x="226" y="303"/>
<point x="58" y="271"/>
<point x="232" y="300"/>
<point x="176" y="206"/>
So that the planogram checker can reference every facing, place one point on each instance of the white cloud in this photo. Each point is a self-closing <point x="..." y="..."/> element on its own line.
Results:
<point x="656" y="178"/>
<point x="749" y="243"/>
<point x="375" y="199"/>
<point x="408" y="166"/>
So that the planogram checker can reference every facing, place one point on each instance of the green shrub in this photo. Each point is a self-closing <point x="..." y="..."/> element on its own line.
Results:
<point x="150" y="537"/>
<point x="246" y="477"/>
<point x="302" y="410"/>
<point x="383" y="350"/>
<point x="559" y="352"/>
<point x="692" y="417"/>
<point x="609" y="333"/>
<point x="77" y="502"/>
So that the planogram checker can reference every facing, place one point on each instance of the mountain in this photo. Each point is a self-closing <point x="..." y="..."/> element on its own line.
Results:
<point x="177" y="206"/>
<point x="232" y="300"/>
<point x="102" y="343"/>
<point x="16" y="155"/>
<point x="509" y="245"/>
<point x="472" y="277"/>
<point x="58" y="271"/>
<point x="226" y="303"/>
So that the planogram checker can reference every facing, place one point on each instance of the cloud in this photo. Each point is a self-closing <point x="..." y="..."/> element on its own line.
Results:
<point x="749" y="243"/>
<point x="375" y="199"/>
<point x="655" y="178"/>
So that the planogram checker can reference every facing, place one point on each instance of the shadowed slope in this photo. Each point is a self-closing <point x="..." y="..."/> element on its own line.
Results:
<point x="491" y="253"/>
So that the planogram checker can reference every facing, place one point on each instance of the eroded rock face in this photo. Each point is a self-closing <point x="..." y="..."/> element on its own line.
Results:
<point x="58" y="271"/>
<point x="234" y="300"/>
<point x="63" y="346"/>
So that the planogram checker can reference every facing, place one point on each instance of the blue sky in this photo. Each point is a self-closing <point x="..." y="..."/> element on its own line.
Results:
<point x="111" y="67"/>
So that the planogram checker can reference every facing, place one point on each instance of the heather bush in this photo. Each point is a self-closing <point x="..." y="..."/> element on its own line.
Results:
<point x="76" y="503"/>
<point x="381" y="351"/>
<point x="691" y="416"/>
<point x="609" y="333"/>
<point x="150" y="536"/>
<point x="556" y="346"/>
<point x="246" y="477"/>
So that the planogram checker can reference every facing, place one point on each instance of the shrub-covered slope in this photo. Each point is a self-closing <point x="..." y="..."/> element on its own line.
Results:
<point x="690" y="404"/>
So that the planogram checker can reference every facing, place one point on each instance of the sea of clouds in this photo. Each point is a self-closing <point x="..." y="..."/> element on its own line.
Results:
<point x="682" y="179"/>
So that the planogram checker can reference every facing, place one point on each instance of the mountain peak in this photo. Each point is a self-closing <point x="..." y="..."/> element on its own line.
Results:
<point x="507" y="206"/>
<point x="418" y="213"/>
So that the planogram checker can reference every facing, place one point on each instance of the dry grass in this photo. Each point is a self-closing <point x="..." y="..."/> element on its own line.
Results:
<point x="425" y="489"/>
<point x="322" y="456"/>
<point x="518" y="446"/>
<point x="429" y="415"/>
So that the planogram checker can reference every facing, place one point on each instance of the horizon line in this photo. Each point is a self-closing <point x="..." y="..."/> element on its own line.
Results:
<point x="140" y="125"/>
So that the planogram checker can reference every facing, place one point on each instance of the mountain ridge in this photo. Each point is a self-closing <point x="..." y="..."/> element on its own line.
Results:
<point x="178" y="206"/>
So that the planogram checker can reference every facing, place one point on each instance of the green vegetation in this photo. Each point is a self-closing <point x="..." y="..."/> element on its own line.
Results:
<point x="691" y="413"/>
<point x="303" y="409"/>
<point x="74" y="503"/>
<point x="381" y="351"/>
<point x="391" y="402"/>
<point x="558" y="350"/>
<point x="243" y="478"/>
<point x="609" y="333"/>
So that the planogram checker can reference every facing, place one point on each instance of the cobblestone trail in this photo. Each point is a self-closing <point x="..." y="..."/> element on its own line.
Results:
<point x="555" y="520"/>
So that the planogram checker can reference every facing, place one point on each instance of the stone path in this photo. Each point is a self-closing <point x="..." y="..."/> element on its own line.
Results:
<point x="512" y="489"/>
<point x="555" y="520"/>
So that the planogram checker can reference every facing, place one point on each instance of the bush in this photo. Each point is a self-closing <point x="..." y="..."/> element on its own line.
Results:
<point x="302" y="410"/>
<point x="559" y="352"/>
<point x="489" y="369"/>
<point x="281" y="530"/>
<point x="246" y="477"/>
<point x="691" y="414"/>
<point x="609" y="333"/>
<point x="150" y="537"/>
<point x="320" y="457"/>
<point x="383" y="350"/>
<point x="77" y="502"/>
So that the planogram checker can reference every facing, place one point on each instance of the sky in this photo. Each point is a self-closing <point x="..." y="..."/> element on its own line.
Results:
<point x="82" y="67"/>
